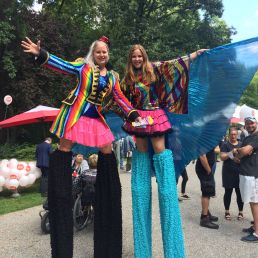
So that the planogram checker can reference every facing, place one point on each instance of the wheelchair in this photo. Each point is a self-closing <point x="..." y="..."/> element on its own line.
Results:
<point x="83" y="195"/>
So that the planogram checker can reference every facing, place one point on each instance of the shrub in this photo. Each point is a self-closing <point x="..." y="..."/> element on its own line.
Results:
<point x="24" y="151"/>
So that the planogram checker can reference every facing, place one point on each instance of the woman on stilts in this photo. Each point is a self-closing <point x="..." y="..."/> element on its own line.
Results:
<point x="153" y="88"/>
<point x="80" y="120"/>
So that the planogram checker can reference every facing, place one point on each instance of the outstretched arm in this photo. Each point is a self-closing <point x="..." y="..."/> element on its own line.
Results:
<point x="197" y="53"/>
<point x="51" y="61"/>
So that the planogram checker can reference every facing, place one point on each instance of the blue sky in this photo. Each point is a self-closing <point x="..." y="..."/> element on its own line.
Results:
<point x="243" y="15"/>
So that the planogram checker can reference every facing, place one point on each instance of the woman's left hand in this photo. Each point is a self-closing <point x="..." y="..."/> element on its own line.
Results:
<point x="197" y="53"/>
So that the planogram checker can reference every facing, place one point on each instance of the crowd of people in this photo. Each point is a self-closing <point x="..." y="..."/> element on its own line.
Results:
<point x="239" y="172"/>
<point x="148" y="92"/>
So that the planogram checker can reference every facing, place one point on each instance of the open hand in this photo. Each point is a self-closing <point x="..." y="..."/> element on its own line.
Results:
<point x="30" y="47"/>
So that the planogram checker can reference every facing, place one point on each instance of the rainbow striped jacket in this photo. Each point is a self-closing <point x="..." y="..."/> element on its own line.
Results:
<point x="84" y="93"/>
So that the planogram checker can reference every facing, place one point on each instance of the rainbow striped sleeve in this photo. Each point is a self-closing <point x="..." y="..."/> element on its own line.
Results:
<point x="172" y="69"/>
<point x="120" y="98"/>
<point x="57" y="64"/>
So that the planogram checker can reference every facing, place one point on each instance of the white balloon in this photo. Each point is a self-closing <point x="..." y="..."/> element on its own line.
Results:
<point x="5" y="171"/>
<point x="3" y="165"/>
<point x="21" y="173"/>
<point x="13" y="163"/>
<point x="28" y="168"/>
<point x="32" y="179"/>
<point x="37" y="173"/>
<point x="21" y="165"/>
<point x="32" y="165"/>
<point x="24" y="181"/>
<point x="7" y="182"/>
<point x="13" y="184"/>
<point x="4" y="162"/>
<point x="2" y="181"/>
<point x="13" y="174"/>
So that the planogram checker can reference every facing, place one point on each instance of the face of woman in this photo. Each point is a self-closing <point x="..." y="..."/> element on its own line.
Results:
<point x="100" y="54"/>
<point x="233" y="136"/>
<point x="137" y="59"/>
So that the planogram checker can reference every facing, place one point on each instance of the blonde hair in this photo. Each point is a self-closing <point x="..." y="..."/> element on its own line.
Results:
<point x="93" y="160"/>
<point x="146" y="69"/>
<point x="89" y="59"/>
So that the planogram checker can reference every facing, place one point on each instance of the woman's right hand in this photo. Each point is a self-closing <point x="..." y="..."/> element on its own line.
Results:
<point x="30" y="47"/>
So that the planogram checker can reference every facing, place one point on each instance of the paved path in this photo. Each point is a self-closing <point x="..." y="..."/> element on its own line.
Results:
<point x="21" y="237"/>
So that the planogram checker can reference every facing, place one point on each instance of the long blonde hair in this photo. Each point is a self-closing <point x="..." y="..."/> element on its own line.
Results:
<point x="146" y="69"/>
<point x="89" y="59"/>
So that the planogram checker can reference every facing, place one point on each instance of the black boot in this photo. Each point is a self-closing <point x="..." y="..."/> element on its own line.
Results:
<point x="212" y="218"/>
<point x="60" y="204"/>
<point x="107" y="210"/>
<point x="207" y="223"/>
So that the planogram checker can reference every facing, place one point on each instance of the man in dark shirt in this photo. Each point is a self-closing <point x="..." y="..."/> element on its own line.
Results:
<point x="205" y="168"/>
<point x="42" y="157"/>
<point x="248" y="155"/>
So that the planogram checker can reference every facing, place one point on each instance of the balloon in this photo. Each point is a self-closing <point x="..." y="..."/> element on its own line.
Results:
<point x="24" y="181"/>
<point x="13" y="163"/>
<point x="32" y="166"/>
<point x="13" y="174"/>
<point x="28" y="168"/>
<point x="2" y="181"/>
<point x="4" y="162"/>
<point x="37" y="173"/>
<point x="13" y="184"/>
<point x="5" y="171"/>
<point x="32" y="179"/>
<point x="21" y="173"/>
<point x="8" y="100"/>
<point x="7" y="181"/>
<point x="21" y="166"/>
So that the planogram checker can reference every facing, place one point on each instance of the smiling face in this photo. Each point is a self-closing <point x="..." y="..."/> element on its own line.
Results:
<point x="100" y="54"/>
<point x="137" y="59"/>
<point x="250" y="126"/>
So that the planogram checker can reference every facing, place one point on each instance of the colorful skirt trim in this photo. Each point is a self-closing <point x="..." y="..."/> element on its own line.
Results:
<point x="92" y="132"/>
<point x="160" y="126"/>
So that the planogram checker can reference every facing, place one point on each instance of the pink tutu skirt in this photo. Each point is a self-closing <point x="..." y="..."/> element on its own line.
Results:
<point x="92" y="132"/>
<point x="160" y="125"/>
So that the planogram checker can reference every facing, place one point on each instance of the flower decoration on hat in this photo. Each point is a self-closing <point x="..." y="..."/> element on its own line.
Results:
<point x="105" y="40"/>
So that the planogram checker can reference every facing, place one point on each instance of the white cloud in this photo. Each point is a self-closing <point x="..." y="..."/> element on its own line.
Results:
<point x="256" y="13"/>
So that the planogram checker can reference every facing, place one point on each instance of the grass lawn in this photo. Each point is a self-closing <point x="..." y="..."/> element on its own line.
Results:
<point x="29" y="197"/>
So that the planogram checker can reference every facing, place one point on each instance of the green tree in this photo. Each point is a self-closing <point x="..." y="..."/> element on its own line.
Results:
<point x="250" y="96"/>
<point x="67" y="27"/>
